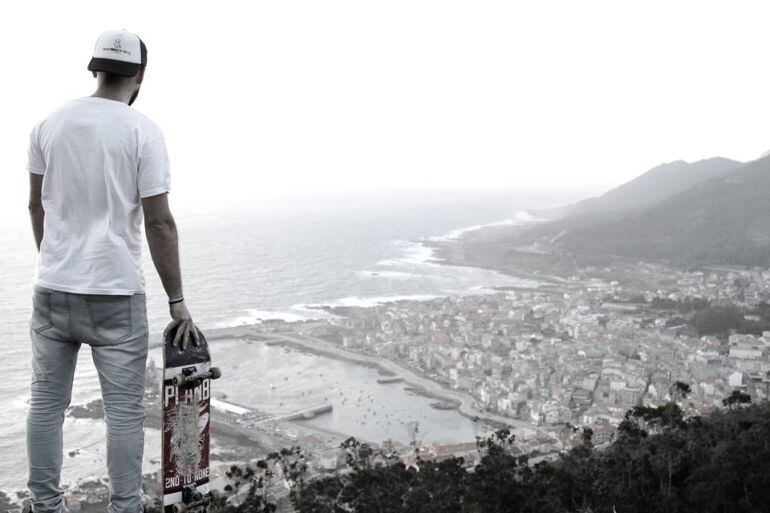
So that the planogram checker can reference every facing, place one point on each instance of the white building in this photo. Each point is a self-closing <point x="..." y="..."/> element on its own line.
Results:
<point x="736" y="379"/>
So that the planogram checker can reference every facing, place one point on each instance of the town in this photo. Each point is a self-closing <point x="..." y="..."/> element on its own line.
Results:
<point x="578" y="354"/>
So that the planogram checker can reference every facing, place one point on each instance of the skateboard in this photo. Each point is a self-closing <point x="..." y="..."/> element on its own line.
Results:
<point x="186" y="396"/>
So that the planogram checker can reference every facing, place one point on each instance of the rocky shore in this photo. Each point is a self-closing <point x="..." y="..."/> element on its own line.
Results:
<point x="91" y="410"/>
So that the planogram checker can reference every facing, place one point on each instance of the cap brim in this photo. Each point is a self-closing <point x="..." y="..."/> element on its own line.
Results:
<point x="125" y="69"/>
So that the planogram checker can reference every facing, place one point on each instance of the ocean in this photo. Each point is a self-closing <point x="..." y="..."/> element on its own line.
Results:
<point x="271" y="259"/>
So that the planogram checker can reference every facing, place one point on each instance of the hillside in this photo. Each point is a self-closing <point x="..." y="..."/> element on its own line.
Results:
<point x="723" y="220"/>
<point x="644" y="191"/>
<point x="659" y="461"/>
<point x="655" y="185"/>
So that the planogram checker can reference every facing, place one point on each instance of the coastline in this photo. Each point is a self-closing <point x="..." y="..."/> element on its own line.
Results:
<point x="495" y="249"/>
<point x="460" y="248"/>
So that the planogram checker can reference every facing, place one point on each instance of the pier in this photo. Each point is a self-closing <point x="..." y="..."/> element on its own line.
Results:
<point x="390" y="379"/>
<point x="258" y="416"/>
<point x="306" y="413"/>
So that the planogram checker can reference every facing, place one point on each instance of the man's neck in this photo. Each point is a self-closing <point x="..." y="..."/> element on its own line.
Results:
<point x="118" y="95"/>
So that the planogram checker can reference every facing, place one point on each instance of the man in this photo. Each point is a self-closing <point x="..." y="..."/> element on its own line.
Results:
<point x="96" y="168"/>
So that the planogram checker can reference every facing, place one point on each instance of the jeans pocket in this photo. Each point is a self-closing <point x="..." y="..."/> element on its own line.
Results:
<point x="41" y="311"/>
<point x="110" y="318"/>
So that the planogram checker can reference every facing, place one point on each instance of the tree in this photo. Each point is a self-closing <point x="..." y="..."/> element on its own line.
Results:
<point x="736" y="398"/>
<point x="658" y="463"/>
<point x="255" y="481"/>
<point x="717" y="320"/>
<point x="358" y="454"/>
<point x="679" y="391"/>
<point x="293" y="467"/>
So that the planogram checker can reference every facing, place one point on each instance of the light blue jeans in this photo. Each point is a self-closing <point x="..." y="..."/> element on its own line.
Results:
<point x="116" y="329"/>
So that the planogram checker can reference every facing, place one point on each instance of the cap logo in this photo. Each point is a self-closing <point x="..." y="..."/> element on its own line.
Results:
<point x="116" y="48"/>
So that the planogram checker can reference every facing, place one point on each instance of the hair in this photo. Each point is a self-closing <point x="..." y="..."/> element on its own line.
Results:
<point x="113" y="79"/>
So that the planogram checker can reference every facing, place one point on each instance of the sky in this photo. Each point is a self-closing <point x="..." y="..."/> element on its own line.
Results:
<point x="268" y="99"/>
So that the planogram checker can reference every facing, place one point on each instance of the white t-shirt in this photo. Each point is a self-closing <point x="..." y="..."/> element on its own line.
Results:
<point x="98" y="158"/>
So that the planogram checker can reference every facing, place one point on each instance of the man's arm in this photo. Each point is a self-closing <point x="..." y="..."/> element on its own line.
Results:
<point x="36" y="212"/>
<point x="161" y="233"/>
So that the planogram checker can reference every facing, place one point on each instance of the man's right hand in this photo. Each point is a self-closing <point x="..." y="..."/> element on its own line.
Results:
<point x="183" y="324"/>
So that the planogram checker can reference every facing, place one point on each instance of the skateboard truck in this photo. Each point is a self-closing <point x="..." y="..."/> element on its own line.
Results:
<point x="193" y="499"/>
<point x="190" y="378"/>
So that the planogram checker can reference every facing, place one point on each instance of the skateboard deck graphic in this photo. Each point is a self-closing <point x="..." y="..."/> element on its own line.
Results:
<point x="186" y="396"/>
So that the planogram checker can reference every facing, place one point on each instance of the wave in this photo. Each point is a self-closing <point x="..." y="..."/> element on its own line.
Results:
<point x="412" y="252"/>
<point x="315" y="311"/>
<point x="373" y="301"/>
<point x="396" y="275"/>
<point x="416" y="252"/>
<point x="256" y="316"/>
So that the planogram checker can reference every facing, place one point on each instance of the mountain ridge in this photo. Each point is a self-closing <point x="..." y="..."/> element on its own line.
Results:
<point x="722" y="220"/>
<point x="651" y="187"/>
<point x="660" y="182"/>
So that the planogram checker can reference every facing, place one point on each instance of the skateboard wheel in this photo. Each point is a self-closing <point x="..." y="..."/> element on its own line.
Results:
<point x="180" y="380"/>
<point x="215" y="373"/>
<point x="180" y="507"/>
<point x="215" y="495"/>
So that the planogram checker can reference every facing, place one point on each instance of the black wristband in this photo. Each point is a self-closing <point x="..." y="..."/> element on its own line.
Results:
<point x="175" y="301"/>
